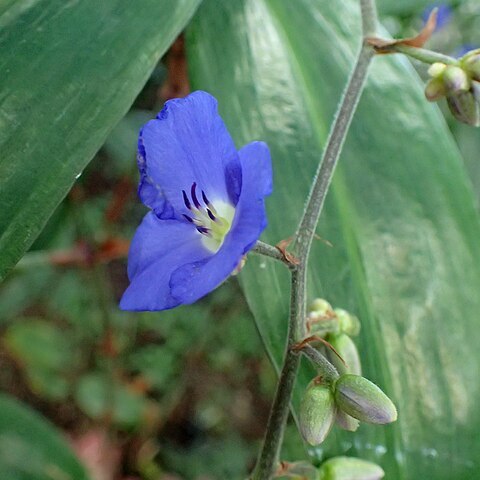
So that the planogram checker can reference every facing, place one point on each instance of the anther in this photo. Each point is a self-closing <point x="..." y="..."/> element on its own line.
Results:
<point x="211" y="215"/>
<point x="203" y="230"/>
<point x="186" y="201"/>
<point x="205" y="199"/>
<point x="194" y="195"/>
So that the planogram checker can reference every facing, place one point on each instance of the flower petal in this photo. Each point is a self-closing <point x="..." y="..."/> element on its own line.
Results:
<point x="193" y="281"/>
<point x="187" y="143"/>
<point x="158" y="248"/>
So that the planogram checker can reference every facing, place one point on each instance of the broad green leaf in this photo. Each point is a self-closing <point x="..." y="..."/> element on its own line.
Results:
<point x="70" y="71"/>
<point x="31" y="448"/>
<point x="400" y="216"/>
<point x="469" y="142"/>
<point x="404" y="7"/>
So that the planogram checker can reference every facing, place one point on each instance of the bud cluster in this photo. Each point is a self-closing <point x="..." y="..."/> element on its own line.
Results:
<point x="337" y="326"/>
<point x="349" y="399"/>
<point x="324" y="320"/>
<point x="460" y="84"/>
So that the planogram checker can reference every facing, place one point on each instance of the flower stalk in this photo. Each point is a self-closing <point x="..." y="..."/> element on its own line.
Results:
<point x="270" y="251"/>
<point x="424" y="55"/>
<point x="329" y="372"/>
<point x="269" y="455"/>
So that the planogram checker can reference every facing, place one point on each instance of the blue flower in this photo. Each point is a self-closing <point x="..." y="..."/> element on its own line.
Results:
<point x="206" y="200"/>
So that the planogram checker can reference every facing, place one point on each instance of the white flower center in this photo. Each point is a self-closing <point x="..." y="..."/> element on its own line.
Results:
<point x="212" y="219"/>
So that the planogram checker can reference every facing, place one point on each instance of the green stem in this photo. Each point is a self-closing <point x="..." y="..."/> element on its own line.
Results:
<point x="268" y="459"/>
<point x="270" y="251"/>
<point x="269" y="455"/>
<point x="369" y="17"/>
<point x="426" y="56"/>
<point x="328" y="371"/>
<point x="331" y="153"/>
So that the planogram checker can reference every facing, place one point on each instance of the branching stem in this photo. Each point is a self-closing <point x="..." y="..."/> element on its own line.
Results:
<point x="270" y="251"/>
<point x="269" y="455"/>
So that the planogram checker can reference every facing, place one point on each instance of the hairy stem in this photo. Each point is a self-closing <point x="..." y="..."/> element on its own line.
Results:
<point x="331" y="153"/>
<point x="269" y="455"/>
<point x="329" y="372"/>
<point x="369" y="17"/>
<point x="426" y="56"/>
<point x="270" y="251"/>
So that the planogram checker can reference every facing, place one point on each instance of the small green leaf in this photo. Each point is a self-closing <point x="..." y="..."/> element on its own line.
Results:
<point x="100" y="396"/>
<point x="31" y="448"/>
<point x="44" y="352"/>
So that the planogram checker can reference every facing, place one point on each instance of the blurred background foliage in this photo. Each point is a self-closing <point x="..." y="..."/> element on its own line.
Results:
<point x="177" y="395"/>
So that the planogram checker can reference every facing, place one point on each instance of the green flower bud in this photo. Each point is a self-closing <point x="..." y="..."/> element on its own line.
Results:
<point x="435" y="89"/>
<point x="472" y="65"/>
<point x="436" y="69"/>
<point x="321" y="307"/>
<point x="346" y="348"/>
<point x="455" y="79"/>
<point x="465" y="106"/>
<point x="346" y="422"/>
<point x="317" y="413"/>
<point x="321" y="318"/>
<point x="347" y="322"/>
<point x="349" y="468"/>
<point x="363" y="400"/>
<point x="470" y="54"/>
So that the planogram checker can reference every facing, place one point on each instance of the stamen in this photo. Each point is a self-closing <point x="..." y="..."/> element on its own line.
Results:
<point x="211" y="215"/>
<point x="186" y="200"/>
<point x="204" y="218"/>
<point x="194" y="195"/>
<point x="205" y="199"/>
<point x="203" y="230"/>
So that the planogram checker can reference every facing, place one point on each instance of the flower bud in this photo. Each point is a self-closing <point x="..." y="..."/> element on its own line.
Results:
<point x="346" y="422"/>
<point x="465" y="106"/>
<point x="363" y="400"/>
<point x="320" y="306"/>
<point x="346" y="348"/>
<point x="455" y="79"/>
<point x="472" y="65"/>
<point x="317" y="413"/>
<point x="349" y="468"/>
<point x="435" y="89"/>
<point x="347" y="322"/>
<point x="321" y="318"/>
<point x="436" y="69"/>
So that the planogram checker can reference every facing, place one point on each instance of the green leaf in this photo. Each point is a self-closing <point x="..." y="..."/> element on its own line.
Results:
<point x="70" y="71"/>
<point x="468" y="140"/>
<point x="400" y="216"/>
<point x="157" y="364"/>
<point x="101" y="396"/>
<point x="31" y="448"/>
<point x="44" y="352"/>
<point x="405" y="7"/>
